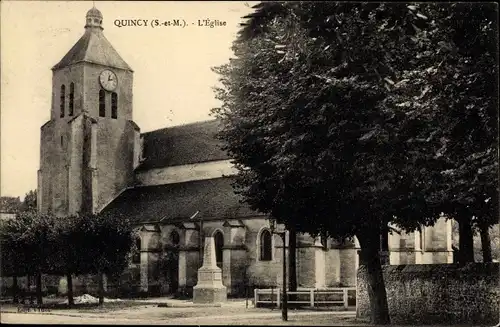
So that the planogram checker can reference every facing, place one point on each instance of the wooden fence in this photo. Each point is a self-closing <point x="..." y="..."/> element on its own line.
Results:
<point x="305" y="297"/>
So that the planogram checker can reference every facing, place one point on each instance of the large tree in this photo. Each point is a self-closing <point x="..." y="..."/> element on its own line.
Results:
<point x="13" y="252"/>
<point x="69" y="251"/>
<point x="34" y="239"/>
<point x="456" y="68"/>
<point x="305" y="122"/>
<point x="108" y="240"/>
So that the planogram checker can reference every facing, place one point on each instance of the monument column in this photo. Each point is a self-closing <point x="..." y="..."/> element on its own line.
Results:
<point x="209" y="288"/>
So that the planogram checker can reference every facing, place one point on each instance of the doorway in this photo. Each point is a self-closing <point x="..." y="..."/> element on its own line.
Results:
<point x="173" y="263"/>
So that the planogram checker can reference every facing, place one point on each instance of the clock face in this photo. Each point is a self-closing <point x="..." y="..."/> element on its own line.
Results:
<point x="108" y="80"/>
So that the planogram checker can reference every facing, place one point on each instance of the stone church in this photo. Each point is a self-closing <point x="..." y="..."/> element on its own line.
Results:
<point x="175" y="184"/>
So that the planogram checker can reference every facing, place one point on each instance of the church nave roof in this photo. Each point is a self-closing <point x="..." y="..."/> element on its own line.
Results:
<point x="181" y="145"/>
<point x="213" y="198"/>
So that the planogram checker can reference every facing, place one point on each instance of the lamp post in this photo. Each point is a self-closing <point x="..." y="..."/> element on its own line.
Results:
<point x="282" y="233"/>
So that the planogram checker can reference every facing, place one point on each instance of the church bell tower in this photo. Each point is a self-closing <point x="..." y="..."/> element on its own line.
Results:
<point x="90" y="146"/>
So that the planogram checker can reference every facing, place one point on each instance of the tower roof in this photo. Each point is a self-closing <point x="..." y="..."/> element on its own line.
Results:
<point x="94" y="12"/>
<point x="93" y="47"/>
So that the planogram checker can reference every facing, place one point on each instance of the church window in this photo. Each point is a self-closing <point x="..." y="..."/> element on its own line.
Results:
<point x="102" y="103"/>
<point x="114" y="105"/>
<point x="219" y="244"/>
<point x="71" y="98"/>
<point x="265" y="245"/>
<point x="175" y="238"/>
<point x="136" y="258"/>
<point x="61" y="100"/>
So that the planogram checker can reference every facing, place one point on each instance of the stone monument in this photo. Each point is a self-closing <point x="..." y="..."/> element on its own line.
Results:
<point x="209" y="288"/>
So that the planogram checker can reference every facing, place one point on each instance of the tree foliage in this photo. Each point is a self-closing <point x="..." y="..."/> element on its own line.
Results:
<point x="458" y="73"/>
<point x="35" y="244"/>
<point x="29" y="202"/>
<point x="10" y="204"/>
<point x="344" y="117"/>
<point x="108" y="240"/>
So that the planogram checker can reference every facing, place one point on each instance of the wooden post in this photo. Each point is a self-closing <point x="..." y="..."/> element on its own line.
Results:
<point x="38" y="285"/>
<point x="15" y="294"/>
<point x="284" y="313"/>
<point x="255" y="295"/>
<point x="69" y="279"/>
<point x="101" y="288"/>
<point x="311" y="295"/>
<point x="345" y="299"/>
<point x="272" y="297"/>
<point x="245" y="285"/>
<point x="278" y="298"/>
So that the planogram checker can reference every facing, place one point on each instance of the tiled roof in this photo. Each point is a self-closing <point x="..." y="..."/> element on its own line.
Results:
<point x="180" y="145"/>
<point x="93" y="47"/>
<point x="213" y="198"/>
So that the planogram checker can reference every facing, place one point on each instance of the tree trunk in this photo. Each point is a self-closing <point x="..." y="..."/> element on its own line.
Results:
<point x="370" y="258"/>
<point x="465" y="240"/>
<point x="101" y="288"/>
<point x="39" y="297"/>
<point x="30" y="294"/>
<point x="486" y="244"/>
<point x="15" y="290"/>
<point x="292" y="261"/>
<point x="69" y="278"/>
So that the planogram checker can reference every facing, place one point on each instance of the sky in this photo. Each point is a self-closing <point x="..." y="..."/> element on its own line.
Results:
<point x="173" y="80"/>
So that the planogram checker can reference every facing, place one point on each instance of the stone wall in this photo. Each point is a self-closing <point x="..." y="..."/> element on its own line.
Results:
<point x="437" y="293"/>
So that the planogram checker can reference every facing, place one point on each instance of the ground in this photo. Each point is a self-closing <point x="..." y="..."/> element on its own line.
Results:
<point x="164" y="311"/>
<point x="171" y="312"/>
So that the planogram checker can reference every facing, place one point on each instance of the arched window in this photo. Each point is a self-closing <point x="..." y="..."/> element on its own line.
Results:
<point x="175" y="238"/>
<point x="102" y="103"/>
<point x="61" y="100"/>
<point x="114" y="105"/>
<point x="136" y="258"/>
<point x="266" y="249"/>
<point x="219" y="244"/>
<point x="71" y="98"/>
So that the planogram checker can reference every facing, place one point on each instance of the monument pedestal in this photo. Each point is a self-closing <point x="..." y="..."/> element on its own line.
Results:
<point x="209" y="288"/>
